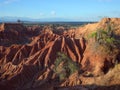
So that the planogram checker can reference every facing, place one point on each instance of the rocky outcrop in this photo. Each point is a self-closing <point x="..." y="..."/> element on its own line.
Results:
<point x="29" y="65"/>
<point x="16" y="33"/>
<point x="103" y="24"/>
<point x="97" y="62"/>
<point x="11" y="33"/>
<point x="23" y="65"/>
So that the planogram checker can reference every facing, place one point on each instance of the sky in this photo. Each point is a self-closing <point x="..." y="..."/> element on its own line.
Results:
<point x="76" y="10"/>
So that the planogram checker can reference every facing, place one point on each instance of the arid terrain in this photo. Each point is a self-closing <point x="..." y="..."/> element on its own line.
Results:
<point x="60" y="58"/>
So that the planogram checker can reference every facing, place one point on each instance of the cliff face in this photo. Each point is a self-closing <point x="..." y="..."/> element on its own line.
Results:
<point x="16" y="33"/>
<point x="29" y="66"/>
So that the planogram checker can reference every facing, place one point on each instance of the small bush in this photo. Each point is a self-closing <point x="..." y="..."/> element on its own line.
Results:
<point x="64" y="66"/>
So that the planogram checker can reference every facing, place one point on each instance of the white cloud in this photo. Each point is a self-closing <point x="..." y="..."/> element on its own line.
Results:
<point x="9" y="1"/>
<point x="53" y="13"/>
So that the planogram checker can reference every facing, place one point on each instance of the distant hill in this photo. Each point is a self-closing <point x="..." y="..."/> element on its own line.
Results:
<point x="26" y="19"/>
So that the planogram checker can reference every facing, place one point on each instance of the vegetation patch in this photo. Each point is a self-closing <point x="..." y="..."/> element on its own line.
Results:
<point x="105" y="41"/>
<point x="64" y="66"/>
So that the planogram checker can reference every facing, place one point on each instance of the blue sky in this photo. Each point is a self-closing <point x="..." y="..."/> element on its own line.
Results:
<point x="79" y="10"/>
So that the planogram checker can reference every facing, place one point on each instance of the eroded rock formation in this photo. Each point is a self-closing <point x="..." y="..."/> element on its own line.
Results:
<point x="27" y="56"/>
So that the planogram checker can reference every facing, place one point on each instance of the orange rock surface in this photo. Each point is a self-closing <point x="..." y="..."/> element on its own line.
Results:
<point x="27" y="56"/>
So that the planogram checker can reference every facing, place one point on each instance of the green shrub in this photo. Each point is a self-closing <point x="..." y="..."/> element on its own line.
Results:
<point x="105" y="40"/>
<point x="64" y="66"/>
